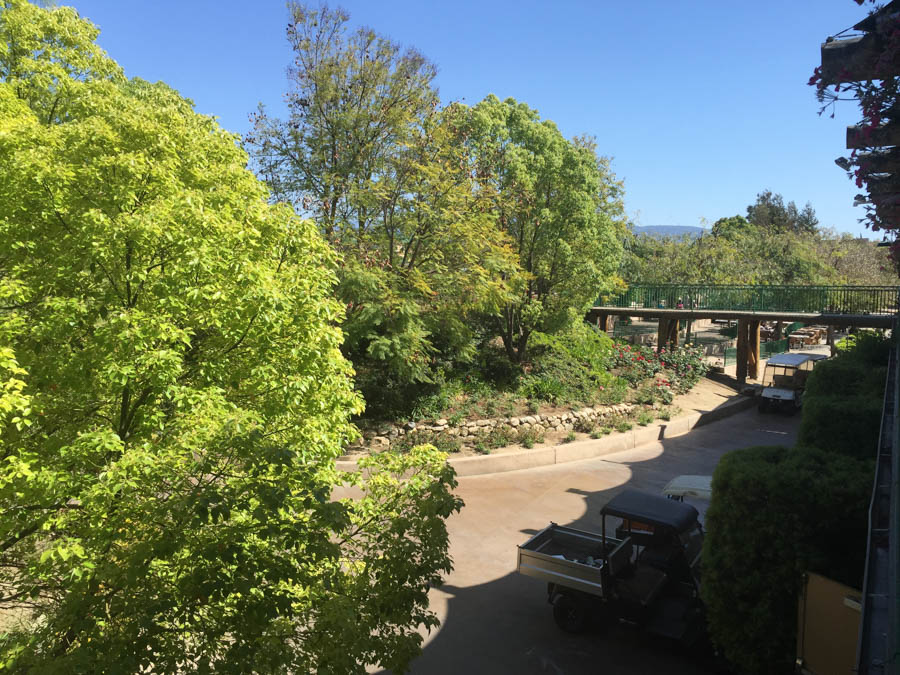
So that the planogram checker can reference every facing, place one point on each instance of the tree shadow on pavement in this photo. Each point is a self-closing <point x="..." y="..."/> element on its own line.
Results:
<point x="495" y="620"/>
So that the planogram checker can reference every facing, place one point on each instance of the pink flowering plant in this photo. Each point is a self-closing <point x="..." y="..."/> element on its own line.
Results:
<point x="675" y="370"/>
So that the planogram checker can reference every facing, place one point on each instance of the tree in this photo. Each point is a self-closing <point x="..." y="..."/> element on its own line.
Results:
<point x="560" y="205"/>
<point x="770" y="212"/>
<point x="367" y="151"/>
<point x="172" y="398"/>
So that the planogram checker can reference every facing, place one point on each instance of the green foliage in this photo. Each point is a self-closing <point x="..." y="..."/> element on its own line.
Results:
<point x="585" y="425"/>
<point x="560" y="206"/>
<point x="842" y="404"/>
<point x="528" y="437"/>
<point x="171" y="338"/>
<point x="776" y="513"/>
<point x="783" y="245"/>
<point x="665" y="414"/>
<point x="571" y="366"/>
<point x="622" y="425"/>
<point x="366" y="150"/>
<point x="569" y="437"/>
<point x="645" y="417"/>
<point x="443" y="442"/>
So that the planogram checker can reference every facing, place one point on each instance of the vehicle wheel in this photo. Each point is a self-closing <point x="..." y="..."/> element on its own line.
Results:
<point x="569" y="614"/>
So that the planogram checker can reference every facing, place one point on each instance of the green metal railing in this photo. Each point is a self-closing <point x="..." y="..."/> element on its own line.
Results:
<point x="827" y="299"/>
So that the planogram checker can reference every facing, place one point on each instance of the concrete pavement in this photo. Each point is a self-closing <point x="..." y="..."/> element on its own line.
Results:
<point x="497" y="621"/>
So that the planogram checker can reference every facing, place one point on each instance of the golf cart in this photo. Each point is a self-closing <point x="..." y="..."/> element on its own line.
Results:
<point x="647" y="575"/>
<point x="785" y="379"/>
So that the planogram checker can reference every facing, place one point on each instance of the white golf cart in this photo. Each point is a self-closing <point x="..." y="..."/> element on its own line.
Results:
<point x="785" y="379"/>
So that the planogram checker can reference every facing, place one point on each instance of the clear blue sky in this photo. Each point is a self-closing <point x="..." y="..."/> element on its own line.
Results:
<point x="700" y="104"/>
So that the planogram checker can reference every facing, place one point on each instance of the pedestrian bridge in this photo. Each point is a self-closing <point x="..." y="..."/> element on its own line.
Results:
<point x="670" y="304"/>
<point x="760" y="298"/>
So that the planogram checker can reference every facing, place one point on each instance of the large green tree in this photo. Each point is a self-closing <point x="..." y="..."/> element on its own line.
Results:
<point x="560" y="205"/>
<point x="367" y="152"/>
<point x="173" y="395"/>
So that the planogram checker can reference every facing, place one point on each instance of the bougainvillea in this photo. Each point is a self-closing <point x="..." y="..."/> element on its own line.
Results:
<point x="878" y="101"/>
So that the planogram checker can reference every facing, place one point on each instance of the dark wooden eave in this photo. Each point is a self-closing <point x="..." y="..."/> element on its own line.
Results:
<point x="887" y="134"/>
<point x="868" y="24"/>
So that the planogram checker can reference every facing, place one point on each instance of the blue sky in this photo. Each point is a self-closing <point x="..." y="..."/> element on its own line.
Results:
<point x="700" y="104"/>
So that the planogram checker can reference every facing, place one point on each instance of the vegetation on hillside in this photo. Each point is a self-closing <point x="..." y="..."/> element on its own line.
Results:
<point x="774" y="244"/>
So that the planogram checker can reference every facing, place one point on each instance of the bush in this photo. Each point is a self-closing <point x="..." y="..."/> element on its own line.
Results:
<point x="528" y="437"/>
<point x="775" y="513"/>
<point x="645" y="417"/>
<point x="847" y="425"/>
<point x="843" y="400"/>
<point x="569" y="437"/>
<point x="574" y="366"/>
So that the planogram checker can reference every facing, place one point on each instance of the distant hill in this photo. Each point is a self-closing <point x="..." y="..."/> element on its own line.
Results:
<point x="661" y="231"/>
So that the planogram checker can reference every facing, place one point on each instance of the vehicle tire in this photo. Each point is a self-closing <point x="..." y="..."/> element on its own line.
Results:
<point x="570" y="614"/>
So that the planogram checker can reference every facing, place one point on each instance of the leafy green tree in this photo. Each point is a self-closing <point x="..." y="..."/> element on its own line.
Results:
<point x="560" y="205"/>
<point x="172" y="398"/>
<point x="367" y="152"/>
<point x="770" y="212"/>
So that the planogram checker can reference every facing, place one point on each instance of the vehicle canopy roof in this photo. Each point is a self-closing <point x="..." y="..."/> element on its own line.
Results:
<point x="651" y="509"/>
<point x="794" y="360"/>
<point x="689" y="486"/>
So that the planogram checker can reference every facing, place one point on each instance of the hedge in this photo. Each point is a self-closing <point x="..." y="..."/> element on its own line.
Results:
<point x="775" y="513"/>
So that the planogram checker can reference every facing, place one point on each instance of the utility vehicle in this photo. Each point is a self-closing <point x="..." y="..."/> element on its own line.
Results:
<point x="784" y="381"/>
<point x="647" y="575"/>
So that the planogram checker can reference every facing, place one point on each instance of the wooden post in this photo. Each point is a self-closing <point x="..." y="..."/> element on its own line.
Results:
<point x="753" y="350"/>
<point x="673" y="333"/>
<point x="779" y="329"/>
<point x="742" y="335"/>
<point x="662" y="333"/>
<point x="603" y="322"/>
<point x="829" y="340"/>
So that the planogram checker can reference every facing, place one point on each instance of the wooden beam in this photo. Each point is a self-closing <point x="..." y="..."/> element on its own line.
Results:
<point x="753" y="350"/>
<point x="856" y="59"/>
<point x="879" y="161"/>
<point x="873" y="137"/>
<point x="662" y="333"/>
<point x="742" y="335"/>
<point x="886" y="185"/>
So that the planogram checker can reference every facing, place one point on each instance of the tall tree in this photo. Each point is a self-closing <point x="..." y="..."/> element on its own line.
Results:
<point x="172" y="398"/>
<point x="560" y="205"/>
<point x="367" y="151"/>
<point x="769" y="212"/>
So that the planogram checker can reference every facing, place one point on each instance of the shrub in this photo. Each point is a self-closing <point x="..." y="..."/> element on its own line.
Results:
<point x="645" y="417"/>
<point x="847" y="425"/>
<point x="623" y="425"/>
<point x="542" y="388"/>
<point x="585" y="425"/>
<point x="775" y="513"/>
<point x="665" y="414"/>
<point x="442" y="441"/>
<point x="569" y="437"/>
<point x="528" y="437"/>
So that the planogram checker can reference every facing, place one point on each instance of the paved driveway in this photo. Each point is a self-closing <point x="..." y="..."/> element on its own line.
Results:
<point x="497" y="621"/>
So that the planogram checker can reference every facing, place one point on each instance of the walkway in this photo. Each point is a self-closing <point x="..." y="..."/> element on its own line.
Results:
<point x="497" y="621"/>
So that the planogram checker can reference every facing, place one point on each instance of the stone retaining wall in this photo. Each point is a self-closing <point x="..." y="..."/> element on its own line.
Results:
<point x="470" y="431"/>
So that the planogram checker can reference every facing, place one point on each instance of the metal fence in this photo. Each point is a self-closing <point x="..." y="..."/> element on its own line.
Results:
<point x="827" y="299"/>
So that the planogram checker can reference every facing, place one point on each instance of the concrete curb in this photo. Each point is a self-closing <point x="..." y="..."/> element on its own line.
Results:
<point x="589" y="448"/>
